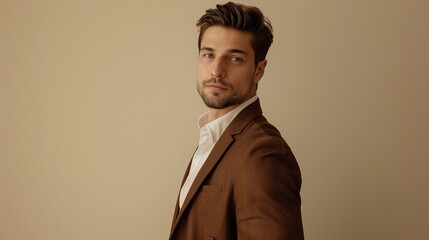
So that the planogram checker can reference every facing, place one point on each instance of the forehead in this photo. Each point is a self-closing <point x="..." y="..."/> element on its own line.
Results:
<point x="223" y="39"/>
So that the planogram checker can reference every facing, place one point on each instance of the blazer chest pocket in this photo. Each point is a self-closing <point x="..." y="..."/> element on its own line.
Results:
<point x="212" y="188"/>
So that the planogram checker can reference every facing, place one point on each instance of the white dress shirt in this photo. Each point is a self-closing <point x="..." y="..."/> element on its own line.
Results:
<point x="210" y="132"/>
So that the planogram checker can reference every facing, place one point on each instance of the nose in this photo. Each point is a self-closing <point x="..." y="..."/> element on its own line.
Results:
<point x="218" y="69"/>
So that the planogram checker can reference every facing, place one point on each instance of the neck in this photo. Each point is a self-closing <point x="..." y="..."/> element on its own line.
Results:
<point x="217" y="113"/>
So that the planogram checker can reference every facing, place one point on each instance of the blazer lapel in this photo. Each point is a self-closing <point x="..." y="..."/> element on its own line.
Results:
<point x="223" y="143"/>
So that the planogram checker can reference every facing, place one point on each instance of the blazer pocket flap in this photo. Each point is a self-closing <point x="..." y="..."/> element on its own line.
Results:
<point x="212" y="188"/>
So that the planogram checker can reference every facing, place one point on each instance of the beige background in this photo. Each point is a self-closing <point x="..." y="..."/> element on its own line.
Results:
<point x="98" y="115"/>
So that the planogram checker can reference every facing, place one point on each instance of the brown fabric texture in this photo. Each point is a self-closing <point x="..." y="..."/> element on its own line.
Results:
<point x="248" y="188"/>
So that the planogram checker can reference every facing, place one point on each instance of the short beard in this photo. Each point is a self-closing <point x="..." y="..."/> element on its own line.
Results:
<point x="215" y="101"/>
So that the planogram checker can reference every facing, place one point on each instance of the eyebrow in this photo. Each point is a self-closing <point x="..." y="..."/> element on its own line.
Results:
<point x="233" y="50"/>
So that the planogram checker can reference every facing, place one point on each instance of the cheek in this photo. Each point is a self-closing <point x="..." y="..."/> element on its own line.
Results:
<point x="244" y="77"/>
<point x="200" y="73"/>
<point x="202" y="70"/>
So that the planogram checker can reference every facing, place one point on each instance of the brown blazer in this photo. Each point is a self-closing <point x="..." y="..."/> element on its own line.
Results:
<point x="248" y="188"/>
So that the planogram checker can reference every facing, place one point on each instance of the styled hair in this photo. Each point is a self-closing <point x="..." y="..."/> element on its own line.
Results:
<point x="243" y="18"/>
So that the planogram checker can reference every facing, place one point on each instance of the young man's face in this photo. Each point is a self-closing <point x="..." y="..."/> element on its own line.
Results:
<point x="227" y="75"/>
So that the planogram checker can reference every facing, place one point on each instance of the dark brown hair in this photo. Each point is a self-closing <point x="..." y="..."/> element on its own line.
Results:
<point x="240" y="17"/>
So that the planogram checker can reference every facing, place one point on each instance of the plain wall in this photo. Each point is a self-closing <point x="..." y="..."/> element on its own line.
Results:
<point x="98" y="113"/>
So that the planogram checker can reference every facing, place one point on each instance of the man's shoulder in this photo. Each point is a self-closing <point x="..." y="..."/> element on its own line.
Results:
<point x="261" y="133"/>
<point x="261" y="127"/>
<point x="260" y="142"/>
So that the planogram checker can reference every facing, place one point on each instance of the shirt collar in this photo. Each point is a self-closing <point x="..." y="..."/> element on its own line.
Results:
<point x="218" y="126"/>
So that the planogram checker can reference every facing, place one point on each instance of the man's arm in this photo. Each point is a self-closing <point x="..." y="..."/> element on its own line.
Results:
<point x="267" y="195"/>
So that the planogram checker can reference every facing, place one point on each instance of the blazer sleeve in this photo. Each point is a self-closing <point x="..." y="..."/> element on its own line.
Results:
<point x="267" y="198"/>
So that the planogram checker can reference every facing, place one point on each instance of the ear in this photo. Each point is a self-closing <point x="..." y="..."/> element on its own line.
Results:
<point x="260" y="70"/>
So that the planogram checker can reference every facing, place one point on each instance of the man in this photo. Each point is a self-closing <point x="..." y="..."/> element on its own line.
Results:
<point x="243" y="181"/>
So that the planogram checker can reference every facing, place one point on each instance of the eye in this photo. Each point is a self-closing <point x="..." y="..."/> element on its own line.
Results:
<point x="236" y="60"/>
<point x="208" y="55"/>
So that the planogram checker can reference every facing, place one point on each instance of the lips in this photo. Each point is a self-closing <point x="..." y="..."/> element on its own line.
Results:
<point x="216" y="87"/>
